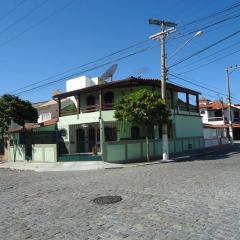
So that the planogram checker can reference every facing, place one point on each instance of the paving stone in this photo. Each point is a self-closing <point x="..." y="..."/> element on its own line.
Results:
<point x="186" y="200"/>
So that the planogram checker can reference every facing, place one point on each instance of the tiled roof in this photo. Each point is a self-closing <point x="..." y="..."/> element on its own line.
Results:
<point x="128" y="82"/>
<point x="31" y="126"/>
<point x="215" y="105"/>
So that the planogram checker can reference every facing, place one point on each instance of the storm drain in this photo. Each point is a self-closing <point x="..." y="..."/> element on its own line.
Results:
<point x="107" y="200"/>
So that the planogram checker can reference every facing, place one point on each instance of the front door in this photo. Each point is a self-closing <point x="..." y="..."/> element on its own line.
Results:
<point x="91" y="138"/>
<point x="80" y="140"/>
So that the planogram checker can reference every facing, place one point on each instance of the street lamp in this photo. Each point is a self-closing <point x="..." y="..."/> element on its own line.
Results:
<point x="197" y="34"/>
<point x="166" y="28"/>
<point x="230" y="70"/>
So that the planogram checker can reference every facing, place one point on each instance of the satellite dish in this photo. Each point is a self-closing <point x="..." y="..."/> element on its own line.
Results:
<point x="109" y="73"/>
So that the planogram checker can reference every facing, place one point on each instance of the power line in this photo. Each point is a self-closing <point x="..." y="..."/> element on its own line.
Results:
<point x="37" y="23"/>
<point x="212" y="61"/>
<point x="180" y="85"/>
<point x="201" y="86"/>
<point x="213" y="24"/>
<point x="227" y="16"/>
<point x="88" y="70"/>
<point x="12" y="10"/>
<point x="195" y="81"/>
<point x="214" y="14"/>
<point x="206" y="48"/>
<point x="23" y="17"/>
<point x="85" y="65"/>
<point x="212" y="54"/>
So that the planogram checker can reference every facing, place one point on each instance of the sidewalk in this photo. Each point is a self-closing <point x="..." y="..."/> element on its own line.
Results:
<point x="197" y="153"/>
<point x="96" y="165"/>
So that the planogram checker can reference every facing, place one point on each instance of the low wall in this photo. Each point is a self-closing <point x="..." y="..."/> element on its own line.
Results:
<point x="135" y="150"/>
<point x="16" y="153"/>
<point x="40" y="153"/>
<point x="44" y="153"/>
<point x="215" y="141"/>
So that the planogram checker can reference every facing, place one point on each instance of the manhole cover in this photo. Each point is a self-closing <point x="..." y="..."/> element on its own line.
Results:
<point x="107" y="200"/>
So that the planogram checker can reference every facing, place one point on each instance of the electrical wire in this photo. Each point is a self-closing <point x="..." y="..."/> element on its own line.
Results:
<point x="88" y="70"/>
<point x="214" y="14"/>
<point x="37" y="23"/>
<point x="205" y="94"/>
<point x="210" y="62"/>
<point x="206" y="48"/>
<point x="23" y="17"/>
<point x="12" y="10"/>
<point x="210" y="55"/>
<point x="213" y="24"/>
<point x="85" y="65"/>
<point x="201" y="86"/>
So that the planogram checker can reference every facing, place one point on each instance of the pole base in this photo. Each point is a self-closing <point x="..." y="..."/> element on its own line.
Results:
<point x="166" y="160"/>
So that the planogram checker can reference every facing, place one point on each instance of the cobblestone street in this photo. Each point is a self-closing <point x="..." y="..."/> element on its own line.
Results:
<point x="196" y="199"/>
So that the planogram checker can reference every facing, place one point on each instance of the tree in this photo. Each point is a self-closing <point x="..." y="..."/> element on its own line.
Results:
<point x="12" y="108"/>
<point x="143" y="107"/>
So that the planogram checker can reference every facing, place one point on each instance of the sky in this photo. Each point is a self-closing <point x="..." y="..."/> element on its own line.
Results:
<point x="44" y="38"/>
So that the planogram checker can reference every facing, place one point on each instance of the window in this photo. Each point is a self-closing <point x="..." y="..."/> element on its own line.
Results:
<point x="91" y="100"/>
<point x="108" y="99"/>
<point x="218" y="113"/>
<point x="110" y="134"/>
<point x="182" y="101"/>
<point x="236" y="115"/>
<point x="91" y="103"/>
<point x="135" y="133"/>
<point x="193" y="103"/>
<point x="45" y="116"/>
<point x="63" y="132"/>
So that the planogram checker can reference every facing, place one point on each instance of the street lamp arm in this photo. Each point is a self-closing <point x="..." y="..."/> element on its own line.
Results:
<point x="197" y="34"/>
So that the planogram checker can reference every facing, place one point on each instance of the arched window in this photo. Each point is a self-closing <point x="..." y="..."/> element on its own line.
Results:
<point x="91" y="100"/>
<point x="108" y="99"/>
<point x="63" y="132"/>
<point x="135" y="133"/>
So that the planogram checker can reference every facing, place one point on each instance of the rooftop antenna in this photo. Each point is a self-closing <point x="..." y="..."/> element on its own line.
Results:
<point x="109" y="73"/>
<point x="141" y="71"/>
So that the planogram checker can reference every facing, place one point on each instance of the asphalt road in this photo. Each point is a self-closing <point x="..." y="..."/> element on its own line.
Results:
<point x="196" y="199"/>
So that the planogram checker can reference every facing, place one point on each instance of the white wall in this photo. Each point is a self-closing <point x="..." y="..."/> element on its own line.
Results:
<point x="80" y="83"/>
<point x="204" y="115"/>
<point x="214" y="137"/>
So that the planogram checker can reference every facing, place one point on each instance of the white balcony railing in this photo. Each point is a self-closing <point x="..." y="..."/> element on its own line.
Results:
<point x="215" y="119"/>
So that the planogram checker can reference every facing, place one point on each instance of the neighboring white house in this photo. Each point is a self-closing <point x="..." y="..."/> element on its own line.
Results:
<point x="215" y="117"/>
<point x="48" y="110"/>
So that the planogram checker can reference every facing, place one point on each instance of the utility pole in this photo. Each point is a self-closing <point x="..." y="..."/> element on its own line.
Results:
<point x="223" y="117"/>
<point x="229" y="105"/>
<point x="166" y="28"/>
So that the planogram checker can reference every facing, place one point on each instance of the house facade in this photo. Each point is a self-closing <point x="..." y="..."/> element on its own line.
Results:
<point x="90" y="131"/>
<point x="85" y="128"/>
<point x="48" y="110"/>
<point x="215" y="116"/>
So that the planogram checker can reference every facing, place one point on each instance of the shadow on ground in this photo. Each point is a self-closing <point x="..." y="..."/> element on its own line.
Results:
<point x="218" y="153"/>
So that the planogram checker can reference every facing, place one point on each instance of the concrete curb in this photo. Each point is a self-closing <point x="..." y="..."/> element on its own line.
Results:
<point x="90" y="165"/>
<point x="174" y="159"/>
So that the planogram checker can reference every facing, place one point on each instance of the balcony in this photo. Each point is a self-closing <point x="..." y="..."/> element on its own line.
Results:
<point x="215" y="119"/>
<point x="86" y="109"/>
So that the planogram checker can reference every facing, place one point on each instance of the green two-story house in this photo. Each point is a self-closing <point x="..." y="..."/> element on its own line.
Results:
<point x="88" y="129"/>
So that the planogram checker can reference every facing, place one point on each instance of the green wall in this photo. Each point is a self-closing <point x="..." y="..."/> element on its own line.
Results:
<point x="135" y="150"/>
<point x="188" y="126"/>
